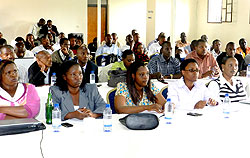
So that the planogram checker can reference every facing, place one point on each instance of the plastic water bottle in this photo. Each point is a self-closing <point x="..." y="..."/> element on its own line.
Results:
<point x="169" y="111"/>
<point x="56" y="118"/>
<point x="53" y="79"/>
<point x="92" y="77"/>
<point x="248" y="71"/>
<point x="103" y="61"/>
<point x="107" y="119"/>
<point x="226" y="106"/>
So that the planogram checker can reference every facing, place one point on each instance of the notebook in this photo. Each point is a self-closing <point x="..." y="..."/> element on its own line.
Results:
<point x="16" y="126"/>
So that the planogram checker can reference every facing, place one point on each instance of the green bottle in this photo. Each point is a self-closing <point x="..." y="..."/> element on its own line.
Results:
<point x="49" y="107"/>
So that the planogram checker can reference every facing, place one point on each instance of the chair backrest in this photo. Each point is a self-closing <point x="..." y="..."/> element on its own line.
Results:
<point x="111" y="99"/>
<point x="98" y="59"/>
<point x="164" y="92"/>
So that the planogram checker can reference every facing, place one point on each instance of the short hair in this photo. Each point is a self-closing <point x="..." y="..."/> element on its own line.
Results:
<point x="3" y="64"/>
<point x="165" y="42"/>
<point x="186" y="62"/>
<point x="126" y="53"/>
<point x="229" y="43"/>
<point x="242" y="39"/>
<point x="19" y="39"/>
<point x="49" y="21"/>
<point x="200" y="41"/>
<point x="3" y="42"/>
<point x="217" y="40"/>
<point x="225" y="59"/>
<point x="83" y="47"/>
<point x="62" y="40"/>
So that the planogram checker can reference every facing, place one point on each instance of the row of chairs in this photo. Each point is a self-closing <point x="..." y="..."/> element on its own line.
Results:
<point x="111" y="97"/>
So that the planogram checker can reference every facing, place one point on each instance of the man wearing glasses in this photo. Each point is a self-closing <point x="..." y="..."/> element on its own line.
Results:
<point x="208" y="65"/>
<point x="41" y="70"/>
<point x="187" y="93"/>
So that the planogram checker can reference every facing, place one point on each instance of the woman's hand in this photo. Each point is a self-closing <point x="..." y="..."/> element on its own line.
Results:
<point x="212" y="102"/>
<point x="155" y="107"/>
<point x="82" y="113"/>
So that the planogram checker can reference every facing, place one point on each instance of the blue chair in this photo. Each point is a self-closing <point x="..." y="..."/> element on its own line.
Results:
<point x="111" y="99"/>
<point x="164" y="92"/>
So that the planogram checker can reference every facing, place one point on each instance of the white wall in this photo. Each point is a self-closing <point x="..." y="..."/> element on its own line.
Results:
<point x="226" y="32"/>
<point x="17" y="16"/>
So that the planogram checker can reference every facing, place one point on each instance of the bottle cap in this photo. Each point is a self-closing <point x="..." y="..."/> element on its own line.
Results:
<point x="107" y="106"/>
<point x="226" y="95"/>
<point x="92" y="72"/>
<point x="56" y="105"/>
<point x="248" y="64"/>
<point x="53" y="73"/>
<point x="168" y="99"/>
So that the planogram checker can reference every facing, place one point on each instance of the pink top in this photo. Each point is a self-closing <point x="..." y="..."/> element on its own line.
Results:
<point x="26" y="96"/>
<point x="205" y="64"/>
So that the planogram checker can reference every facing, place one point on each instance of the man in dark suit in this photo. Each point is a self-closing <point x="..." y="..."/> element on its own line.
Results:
<point x="41" y="70"/>
<point x="83" y="58"/>
<point x="49" y="28"/>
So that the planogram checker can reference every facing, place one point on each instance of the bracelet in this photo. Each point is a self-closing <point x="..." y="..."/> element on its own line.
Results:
<point x="171" y="76"/>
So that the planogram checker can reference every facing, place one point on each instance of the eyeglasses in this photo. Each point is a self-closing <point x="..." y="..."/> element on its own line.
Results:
<point x="192" y="70"/>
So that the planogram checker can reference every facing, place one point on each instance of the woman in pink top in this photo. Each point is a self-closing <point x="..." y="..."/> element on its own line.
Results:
<point x="17" y="100"/>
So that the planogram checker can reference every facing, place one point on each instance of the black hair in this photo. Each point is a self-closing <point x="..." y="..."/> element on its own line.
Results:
<point x="224" y="59"/>
<point x="242" y="39"/>
<point x="217" y="40"/>
<point x="200" y="41"/>
<point x="126" y="53"/>
<point x="186" y="62"/>
<point x="3" y="64"/>
<point x="62" y="40"/>
<point x="133" y="68"/>
<point x="49" y="21"/>
<point x="3" y="41"/>
<point x="60" y="82"/>
<point x="19" y="39"/>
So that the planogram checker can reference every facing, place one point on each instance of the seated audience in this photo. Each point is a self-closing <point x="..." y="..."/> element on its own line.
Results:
<point x="29" y="43"/>
<point x="230" y="51"/>
<point x="243" y="49"/>
<point x="115" y="40"/>
<point x="140" y="55"/>
<point x="128" y="58"/>
<point x="226" y="83"/>
<point x="76" y="98"/>
<point x="138" y="93"/>
<point x="164" y="65"/>
<point x="79" y="41"/>
<point x="189" y="93"/>
<point x="41" y="70"/>
<point x="206" y="61"/>
<point x="45" y="45"/>
<point x="215" y="49"/>
<point x="17" y="100"/>
<point x="21" y="52"/>
<point x="156" y="47"/>
<point x="64" y="53"/>
<point x="93" y="45"/>
<point x="109" y="48"/>
<point x="205" y="38"/>
<point x="129" y="42"/>
<point x="7" y="53"/>
<point x="83" y="58"/>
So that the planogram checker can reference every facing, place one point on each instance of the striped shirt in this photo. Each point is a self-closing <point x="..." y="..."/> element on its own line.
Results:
<point x="221" y="86"/>
<point x="159" y="64"/>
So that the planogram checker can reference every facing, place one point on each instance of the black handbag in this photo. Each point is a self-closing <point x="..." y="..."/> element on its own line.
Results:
<point x="140" y="121"/>
<point x="116" y="76"/>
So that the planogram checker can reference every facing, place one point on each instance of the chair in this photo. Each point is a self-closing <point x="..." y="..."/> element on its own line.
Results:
<point x="164" y="92"/>
<point x="154" y="55"/>
<point x="111" y="99"/>
<point x="98" y="59"/>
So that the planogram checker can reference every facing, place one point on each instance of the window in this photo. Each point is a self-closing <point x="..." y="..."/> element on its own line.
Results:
<point x="220" y="11"/>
